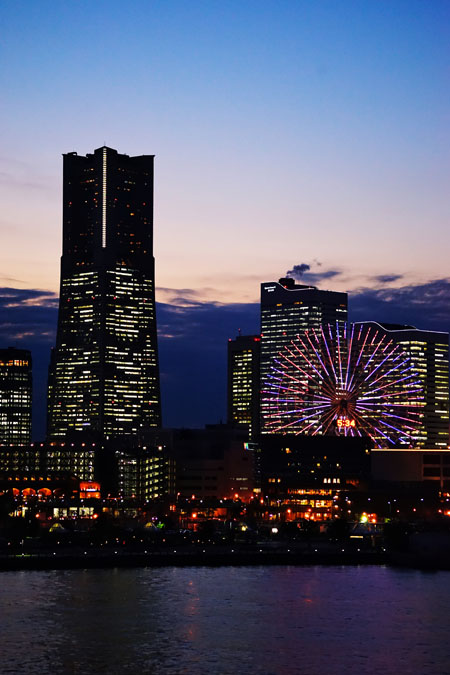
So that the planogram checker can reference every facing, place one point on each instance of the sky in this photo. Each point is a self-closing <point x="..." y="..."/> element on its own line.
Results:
<point x="285" y="133"/>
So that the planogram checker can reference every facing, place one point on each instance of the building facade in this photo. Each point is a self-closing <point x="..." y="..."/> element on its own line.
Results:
<point x="428" y="352"/>
<point x="145" y="473"/>
<point x="288" y="309"/>
<point x="15" y="397"/>
<point x="243" y="383"/>
<point x="411" y="467"/>
<point x="104" y="375"/>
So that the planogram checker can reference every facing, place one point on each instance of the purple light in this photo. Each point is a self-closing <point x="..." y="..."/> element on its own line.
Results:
<point x="333" y="372"/>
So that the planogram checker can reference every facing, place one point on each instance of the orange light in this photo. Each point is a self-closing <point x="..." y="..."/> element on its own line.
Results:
<point x="345" y="423"/>
<point x="194" y="515"/>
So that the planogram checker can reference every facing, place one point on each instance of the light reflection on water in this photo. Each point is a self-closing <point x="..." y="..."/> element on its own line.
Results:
<point x="236" y="620"/>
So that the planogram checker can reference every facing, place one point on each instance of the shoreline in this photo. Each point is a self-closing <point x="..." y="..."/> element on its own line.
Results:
<point x="48" y="561"/>
<point x="108" y="560"/>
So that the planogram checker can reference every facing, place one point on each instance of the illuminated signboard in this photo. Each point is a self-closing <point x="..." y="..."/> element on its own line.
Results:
<point x="345" y="423"/>
<point x="89" y="490"/>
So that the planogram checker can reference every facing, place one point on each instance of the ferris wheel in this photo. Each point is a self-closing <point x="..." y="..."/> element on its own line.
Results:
<point x="352" y="381"/>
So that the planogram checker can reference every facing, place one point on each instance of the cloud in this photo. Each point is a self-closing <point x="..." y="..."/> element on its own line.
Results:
<point x="17" y="174"/>
<point x="27" y="314"/>
<point x="193" y="358"/>
<point x="11" y="181"/>
<point x="303" y="273"/>
<point x="11" y="279"/>
<point x="425" y="306"/>
<point x="298" y="271"/>
<point x="317" y="277"/>
<point x="387" y="278"/>
<point x="185" y="297"/>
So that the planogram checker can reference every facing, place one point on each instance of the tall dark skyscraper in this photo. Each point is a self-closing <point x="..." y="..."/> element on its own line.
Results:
<point x="104" y="375"/>
<point x="288" y="309"/>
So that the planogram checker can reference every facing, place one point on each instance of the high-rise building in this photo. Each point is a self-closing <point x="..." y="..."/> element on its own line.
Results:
<point x="288" y="309"/>
<point x="243" y="383"/>
<point x="104" y="375"/>
<point x="15" y="396"/>
<point x="429" y="357"/>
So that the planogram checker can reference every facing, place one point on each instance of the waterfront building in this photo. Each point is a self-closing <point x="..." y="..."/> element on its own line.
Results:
<point x="306" y="475"/>
<point x="15" y="397"/>
<point x="145" y="473"/>
<point x="288" y="309"/>
<point x="32" y="485"/>
<point x="412" y="468"/>
<point x="217" y="461"/>
<point x="428" y="352"/>
<point x="243" y="383"/>
<point x="104" y="376"/>
<point x="77" y="460"/>
<point x="22" y="459"/>
<point x="71" y="459"/>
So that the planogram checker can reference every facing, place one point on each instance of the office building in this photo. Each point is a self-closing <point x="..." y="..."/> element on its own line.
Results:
<point x="411" y="467"/>
<point x="145" y="473"/>
<point x="15" y="397"/>
<point x="71" y="459"/>
<point x="243" y="383"/>
<point x="22" y="459"/>
<point x="288" y="309"/>
<point x="428" y="355"/>
<point x="104" y="376"/>
<point x="305" y="474"/>
<point x="217" y="461"/>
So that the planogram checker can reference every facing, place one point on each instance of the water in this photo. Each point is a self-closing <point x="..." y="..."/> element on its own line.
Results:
<point x="231" y="620"/>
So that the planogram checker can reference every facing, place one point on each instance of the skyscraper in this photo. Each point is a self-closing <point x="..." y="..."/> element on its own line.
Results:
<point x="104" y="375"/>
<point x="15" y="396"/>
<point x="287" y="309"/>
<point x="243" y="383"/>
<point x="428" y="353"/>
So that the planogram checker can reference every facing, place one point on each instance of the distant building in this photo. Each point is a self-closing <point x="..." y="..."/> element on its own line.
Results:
<point x="217" y="462"/>
<point x="104" y="376"/>
<point x="145" y="473"/>
<point x="15" y="396"/>
<point x="243" y="383"/>
<point x="29" y="485"/>
<point x="292" y="461"/>
<point x="22" y="459"/>
<point x="71" y="459"/>
<point x="306" y="474"/>
<point x="122" y="467"/>
<point x="428" y="352"/>
<point x="49" y="459"/>
<point x="411" y="467"/>
<point x="288" y="309"/>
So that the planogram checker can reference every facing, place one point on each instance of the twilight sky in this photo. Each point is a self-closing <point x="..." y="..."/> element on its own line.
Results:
<point x="285" y="133"/>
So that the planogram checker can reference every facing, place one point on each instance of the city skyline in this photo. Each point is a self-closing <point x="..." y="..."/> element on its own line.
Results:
<point x="224" y="336"/>
<point x="315" y="141"/>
